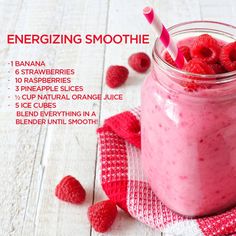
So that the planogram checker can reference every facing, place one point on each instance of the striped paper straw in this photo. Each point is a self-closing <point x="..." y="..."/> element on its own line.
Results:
<point x="164" y="36"/>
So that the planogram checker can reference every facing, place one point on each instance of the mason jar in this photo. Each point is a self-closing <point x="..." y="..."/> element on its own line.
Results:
<point x="189" y="136"/>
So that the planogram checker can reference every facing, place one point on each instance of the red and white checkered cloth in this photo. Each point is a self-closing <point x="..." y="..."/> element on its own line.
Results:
<point x="123" y="181"/>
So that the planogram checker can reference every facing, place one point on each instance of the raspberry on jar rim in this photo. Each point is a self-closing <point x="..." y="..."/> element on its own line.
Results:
<point x="197" y="66"/>
<point x="228" y="56"/>
<point x="185" y="51"/>
<point x="206" y="48"/>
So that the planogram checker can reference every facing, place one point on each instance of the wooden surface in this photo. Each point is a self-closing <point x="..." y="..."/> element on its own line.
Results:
<point x="34" y="158"/>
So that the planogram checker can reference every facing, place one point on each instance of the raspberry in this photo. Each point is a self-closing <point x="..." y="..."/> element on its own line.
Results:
<point x="192" y="86"/>
<point x="116" y="76"/>
<point x="102" y="215"/>
<point x="218" y="68"/>
<point x="197" y="66"/>
<point x="206" y="48"/>
<point x="169" y="59"/>
<point x="70" y="190"/>
<point x="228" y="56"/>
<point x="185" y="51"/>
<point x="140" y="62"/>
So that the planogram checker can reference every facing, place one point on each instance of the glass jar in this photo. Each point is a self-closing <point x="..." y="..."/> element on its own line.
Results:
<point x="189" y="137"/>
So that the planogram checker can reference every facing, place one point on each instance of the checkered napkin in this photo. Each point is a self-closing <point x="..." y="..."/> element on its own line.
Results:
<point x="123" y="181"/>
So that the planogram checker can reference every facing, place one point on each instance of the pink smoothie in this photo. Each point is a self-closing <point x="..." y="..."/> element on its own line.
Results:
<point x="189" y="144"/>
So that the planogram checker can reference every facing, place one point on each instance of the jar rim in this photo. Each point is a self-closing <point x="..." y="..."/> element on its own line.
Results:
<point x="218" y="78"/>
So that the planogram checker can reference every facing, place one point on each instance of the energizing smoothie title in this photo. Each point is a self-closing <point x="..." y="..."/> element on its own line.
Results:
<point x="77" y="39"/>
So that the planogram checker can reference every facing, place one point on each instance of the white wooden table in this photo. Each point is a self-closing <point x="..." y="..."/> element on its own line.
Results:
<point x="34" y="158"/>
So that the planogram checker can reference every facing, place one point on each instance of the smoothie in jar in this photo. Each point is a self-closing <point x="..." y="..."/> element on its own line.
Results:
<point x="189" y="135"/>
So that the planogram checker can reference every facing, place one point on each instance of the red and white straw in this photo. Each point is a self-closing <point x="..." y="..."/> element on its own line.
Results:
<point x="164" y="36"/>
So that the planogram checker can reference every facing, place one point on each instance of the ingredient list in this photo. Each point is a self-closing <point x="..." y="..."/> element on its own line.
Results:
<point x="46" y="96"/>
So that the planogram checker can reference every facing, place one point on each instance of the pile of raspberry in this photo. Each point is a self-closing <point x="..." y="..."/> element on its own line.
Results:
<point x="207" y="56"/>
<point x="101" y="215"/>
<point x="117" y="75"/>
